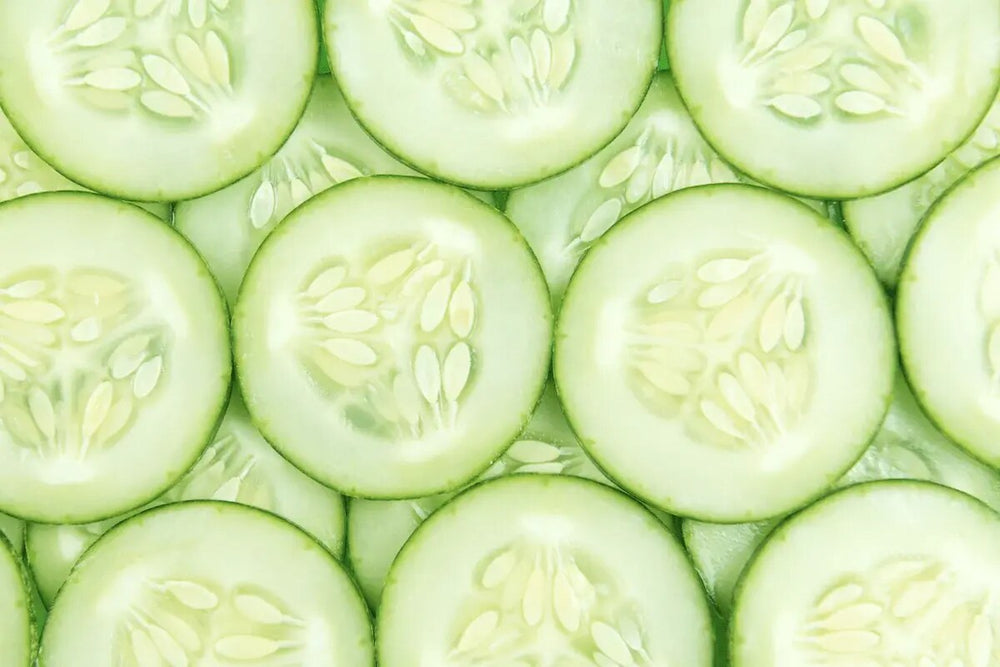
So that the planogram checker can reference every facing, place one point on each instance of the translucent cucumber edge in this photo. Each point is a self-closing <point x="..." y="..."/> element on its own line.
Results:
<point x="899" y="307"/>
<point x="587" y="443"/>
<point x="169" y="198"/>
<point x="224" y="330"/>
<point x="220" y="506"/>
<point x="826" y="195"/>
<point x="493" y="186"/>
<point x="33" y="640"/>
<point x="538" y="479"/>
<point x="778" y="534"/>
<point x="260" y="422"/>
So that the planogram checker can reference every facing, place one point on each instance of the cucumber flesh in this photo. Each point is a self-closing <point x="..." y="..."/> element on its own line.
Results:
<point x="543" y="570"/>
<point x="114" y="328"/>
<point x="327" y="147"/>
<point x="17" y="630"/>
<point x="497" y="94"/>
<point x="883" y="573"/>
<point x="824" y="99"/>
<point x="699" y="353"/>
<point x="883" y="226"/>
<point x="907" y="446"/>
<point x="156" y="101"/>
<point x="239" y="466"/>
<point x="377" y="529"/>
<point x="372" y="337"/>
<point x="23" y="173"/>
<point x="207" y="583"/>
<point x="948" y="313"/>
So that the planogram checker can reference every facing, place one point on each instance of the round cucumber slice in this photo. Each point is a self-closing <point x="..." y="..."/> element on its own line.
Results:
<point x="23" y="173"/>
<point x="373" y="340"/>
<point x="823" y="98"/>
<point x="327" y="147"/>
<point x="377" y="529"/>
<point x="497" y="94"/>
<point x="155" y="100"/>
<point x="948" y="313"/>
<point x="883" y="226"/>
<point x="207" y="583"/>
<point x="17" y="629"/>
<point x="543" y="570"/>
<point x="886" y="573"/>
<point x="906" y="447"/>
<point x="239" y="466"/>
<point x="700" y="353"/>
<point x="110" y="327"/>
<point x="660" y="151"/>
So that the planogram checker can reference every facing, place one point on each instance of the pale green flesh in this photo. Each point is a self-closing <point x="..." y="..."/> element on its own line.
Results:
<point x="378" y="529"/>
<point x="327" y="147"/>
<point x="883" y="226"/>
<point x="207" y="583"/>
<point x="373" y="343"/>
<point x="238" y="466"/>
<point x="948" y="313"/>
<point x="907" y="446"/>
<point x="156" y="101"/>
<point x="883" y="573"/>
<point x="842" y="87"/>
<point x="24" y="173"/>
<point x="107" y="315"/>
<point x="543" y="570"/>
<point x="17" y="633"/>
<point x="498" y="94"/>
<point x="660" y="151"/>
<point x="699" y="357"/>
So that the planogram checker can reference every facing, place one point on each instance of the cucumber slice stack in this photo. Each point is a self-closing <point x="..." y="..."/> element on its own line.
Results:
<point x="520" y="333"/>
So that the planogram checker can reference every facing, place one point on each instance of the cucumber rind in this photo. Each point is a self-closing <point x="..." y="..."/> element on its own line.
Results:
<point x="31" y="638"/>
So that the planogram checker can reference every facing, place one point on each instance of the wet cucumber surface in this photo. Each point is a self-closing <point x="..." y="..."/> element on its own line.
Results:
<point x="533" y="333"/>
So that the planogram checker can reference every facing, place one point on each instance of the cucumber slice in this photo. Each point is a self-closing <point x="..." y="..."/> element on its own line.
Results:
<point x="700" y="356"/>
<point x="207" y="583"/>
<point x="17" y="629"/>
<point x="883" y="226"/>
<point x="13" y="529"/>
<point x="948" y="313"/>
<point x="660" y="151"/>
<point x="906" y="447"/>
<point x="327" y="147"/>
<point x="543" y="570"/>
<point x="23" y="173"/>
<point x="886" y="573"/>
<point x="377" y="529"/>
<point x="156" y="101"/>
<point x="373" y="342"/>
<point x="111" y="327"/>
<point x="823" y="98"/>
<point x="497" y="94"/>
<point x="239" y="466"/>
